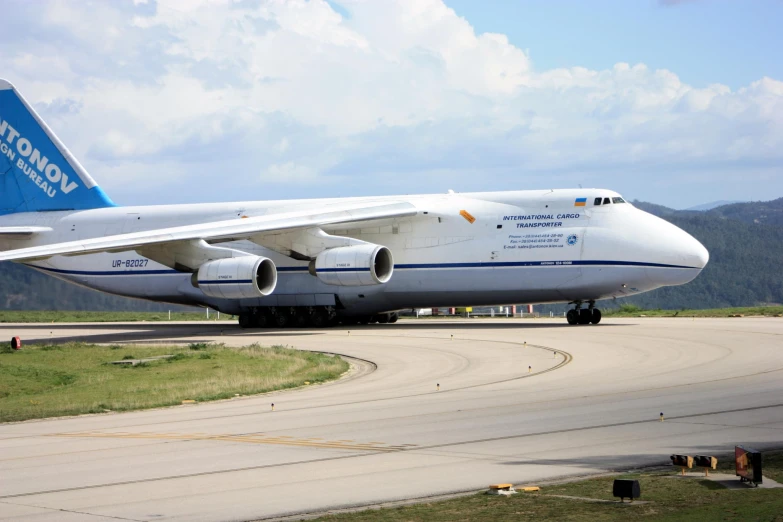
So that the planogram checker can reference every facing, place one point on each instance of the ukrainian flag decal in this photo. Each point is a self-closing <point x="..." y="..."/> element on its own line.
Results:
<point x="580" y="202"/>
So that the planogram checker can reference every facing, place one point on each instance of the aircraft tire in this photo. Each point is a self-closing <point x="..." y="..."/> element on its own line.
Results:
<point x="319" y="318"/>
<point x="260" y="319"/>
<point x="585" y="315"/>
<point x="245" y="321"/>
<point x="280" y="319"/>
<point x="596" y="316"/>
<point x="383" y="318"/>
<point x="393" y="317"/>
<point x="572" y="317"/>
<point x="297" y="319"/>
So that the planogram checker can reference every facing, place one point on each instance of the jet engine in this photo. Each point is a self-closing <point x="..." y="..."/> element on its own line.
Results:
<point x="237" y="277"/>
<point x="357" y="265"/>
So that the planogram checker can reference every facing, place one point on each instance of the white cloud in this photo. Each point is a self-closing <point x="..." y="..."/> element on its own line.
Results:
<point x="291" y="92"/>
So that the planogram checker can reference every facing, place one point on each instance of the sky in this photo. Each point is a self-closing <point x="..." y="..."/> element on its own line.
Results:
<point x="183" y="101"/>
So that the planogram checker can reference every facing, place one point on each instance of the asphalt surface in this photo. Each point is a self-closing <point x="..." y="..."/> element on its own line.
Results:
<point x="520" y="401"/>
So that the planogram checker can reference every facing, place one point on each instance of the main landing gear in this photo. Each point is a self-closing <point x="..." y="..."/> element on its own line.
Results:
<point x="306" y="317"/>
<point x="288" y="317"/>
<point x="579" y="315"/>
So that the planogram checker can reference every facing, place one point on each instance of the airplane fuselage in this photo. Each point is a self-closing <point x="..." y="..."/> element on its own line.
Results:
<point x="467" y="249"/>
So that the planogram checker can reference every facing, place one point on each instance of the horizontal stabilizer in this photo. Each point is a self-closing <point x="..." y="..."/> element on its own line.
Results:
<point x="22" y="231"/>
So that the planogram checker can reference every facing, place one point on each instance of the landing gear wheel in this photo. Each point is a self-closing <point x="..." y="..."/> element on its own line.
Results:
<point x="585" y="315"/>
<point x="245" y="321"/>
<point x="319" y="318"/>
<point x="393" y="317"/>
<point x="572" y="317"/>
<point x="260" y="320"/>
<point x="297" y="319"/>
<point x="280" y="319"/>
<point x="596" y="316"/>
<point x="383" y="318"/>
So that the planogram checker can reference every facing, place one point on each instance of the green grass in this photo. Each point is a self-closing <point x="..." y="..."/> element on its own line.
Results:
<point x="75" y="378"/>
<point x="635" y="311"/>
<point x="44" y="316"/>
<point x="629" y="310"/>
<point x="670" y="499"/>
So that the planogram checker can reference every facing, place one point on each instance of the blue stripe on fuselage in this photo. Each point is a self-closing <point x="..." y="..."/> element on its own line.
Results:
<point x="412" y="266"/>
<point x="226" y="282"/>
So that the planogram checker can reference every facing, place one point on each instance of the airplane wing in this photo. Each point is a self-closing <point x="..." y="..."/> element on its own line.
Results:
<point x="229" y="230"/>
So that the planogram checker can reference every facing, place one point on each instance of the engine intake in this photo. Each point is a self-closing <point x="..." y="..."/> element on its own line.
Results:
<point x="358" y="265"/>
<point x="237" y="277"/>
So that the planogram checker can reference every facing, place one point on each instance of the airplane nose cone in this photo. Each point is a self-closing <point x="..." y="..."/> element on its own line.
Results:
<point x="698" y="254"/>
<point x="683" y="254"/>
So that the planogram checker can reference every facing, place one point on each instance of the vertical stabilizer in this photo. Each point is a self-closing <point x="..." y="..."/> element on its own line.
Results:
<point x="37" y="172"/>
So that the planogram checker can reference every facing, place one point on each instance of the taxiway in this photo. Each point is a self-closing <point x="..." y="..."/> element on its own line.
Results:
<point x="520" y="401"/>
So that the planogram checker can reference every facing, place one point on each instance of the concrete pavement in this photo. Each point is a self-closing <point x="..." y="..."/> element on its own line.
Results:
<point x="387" y="433"/>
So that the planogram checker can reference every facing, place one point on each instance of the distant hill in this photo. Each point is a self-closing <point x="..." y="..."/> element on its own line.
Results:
<point x="711" y="205"/>
<point x="757" y="212"/>
<point x="745" y="241"/>
<point x="22" y="288"/>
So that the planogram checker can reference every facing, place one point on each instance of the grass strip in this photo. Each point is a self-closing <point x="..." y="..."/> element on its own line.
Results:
<point x="748" y="311"/>
<point x="628" y="310"/>
<point x="669" y="498"/>
<point x="65" y="316"/>
<point x="74" y="378"/>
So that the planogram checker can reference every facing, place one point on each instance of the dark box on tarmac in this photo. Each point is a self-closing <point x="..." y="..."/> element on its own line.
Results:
<point x="626" y="489"/>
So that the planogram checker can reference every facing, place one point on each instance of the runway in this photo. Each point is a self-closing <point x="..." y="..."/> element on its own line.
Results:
<point x="520" y="401"/>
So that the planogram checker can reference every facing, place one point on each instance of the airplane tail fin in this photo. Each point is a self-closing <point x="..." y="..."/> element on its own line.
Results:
<point x="37" y="172"/>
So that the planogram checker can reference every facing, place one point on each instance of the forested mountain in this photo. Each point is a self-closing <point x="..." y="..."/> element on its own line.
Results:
<point x="713" y="204"/>
<point x="22" y="288"/>
<point x="745" y="241"/>
<point x="758" y="212"/>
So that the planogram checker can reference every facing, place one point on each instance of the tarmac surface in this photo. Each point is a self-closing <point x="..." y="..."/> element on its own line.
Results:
<point x="520" y="401"/>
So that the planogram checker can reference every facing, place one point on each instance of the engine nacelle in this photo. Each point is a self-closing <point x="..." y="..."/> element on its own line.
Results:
<point x="237" y="277"/>
<point x="357" y="265"/>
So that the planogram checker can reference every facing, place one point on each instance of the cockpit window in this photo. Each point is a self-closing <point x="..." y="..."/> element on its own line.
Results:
<point x="618" y="200"/>
<point x="597" y="201"/>
<point x="607" y="201"/>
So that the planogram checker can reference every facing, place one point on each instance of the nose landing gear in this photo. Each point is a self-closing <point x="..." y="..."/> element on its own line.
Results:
<point x="579" y="315"/>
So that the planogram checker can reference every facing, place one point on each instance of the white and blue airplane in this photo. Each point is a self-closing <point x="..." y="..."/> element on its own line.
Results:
<point x="320" y="261"/>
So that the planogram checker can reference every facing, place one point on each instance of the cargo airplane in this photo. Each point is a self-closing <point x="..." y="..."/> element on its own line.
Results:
<point x="321" y="261"/>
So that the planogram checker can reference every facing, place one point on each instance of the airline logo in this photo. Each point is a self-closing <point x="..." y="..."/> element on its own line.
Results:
<point x="580" y="202"/>
<point x="22" y="153"/>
